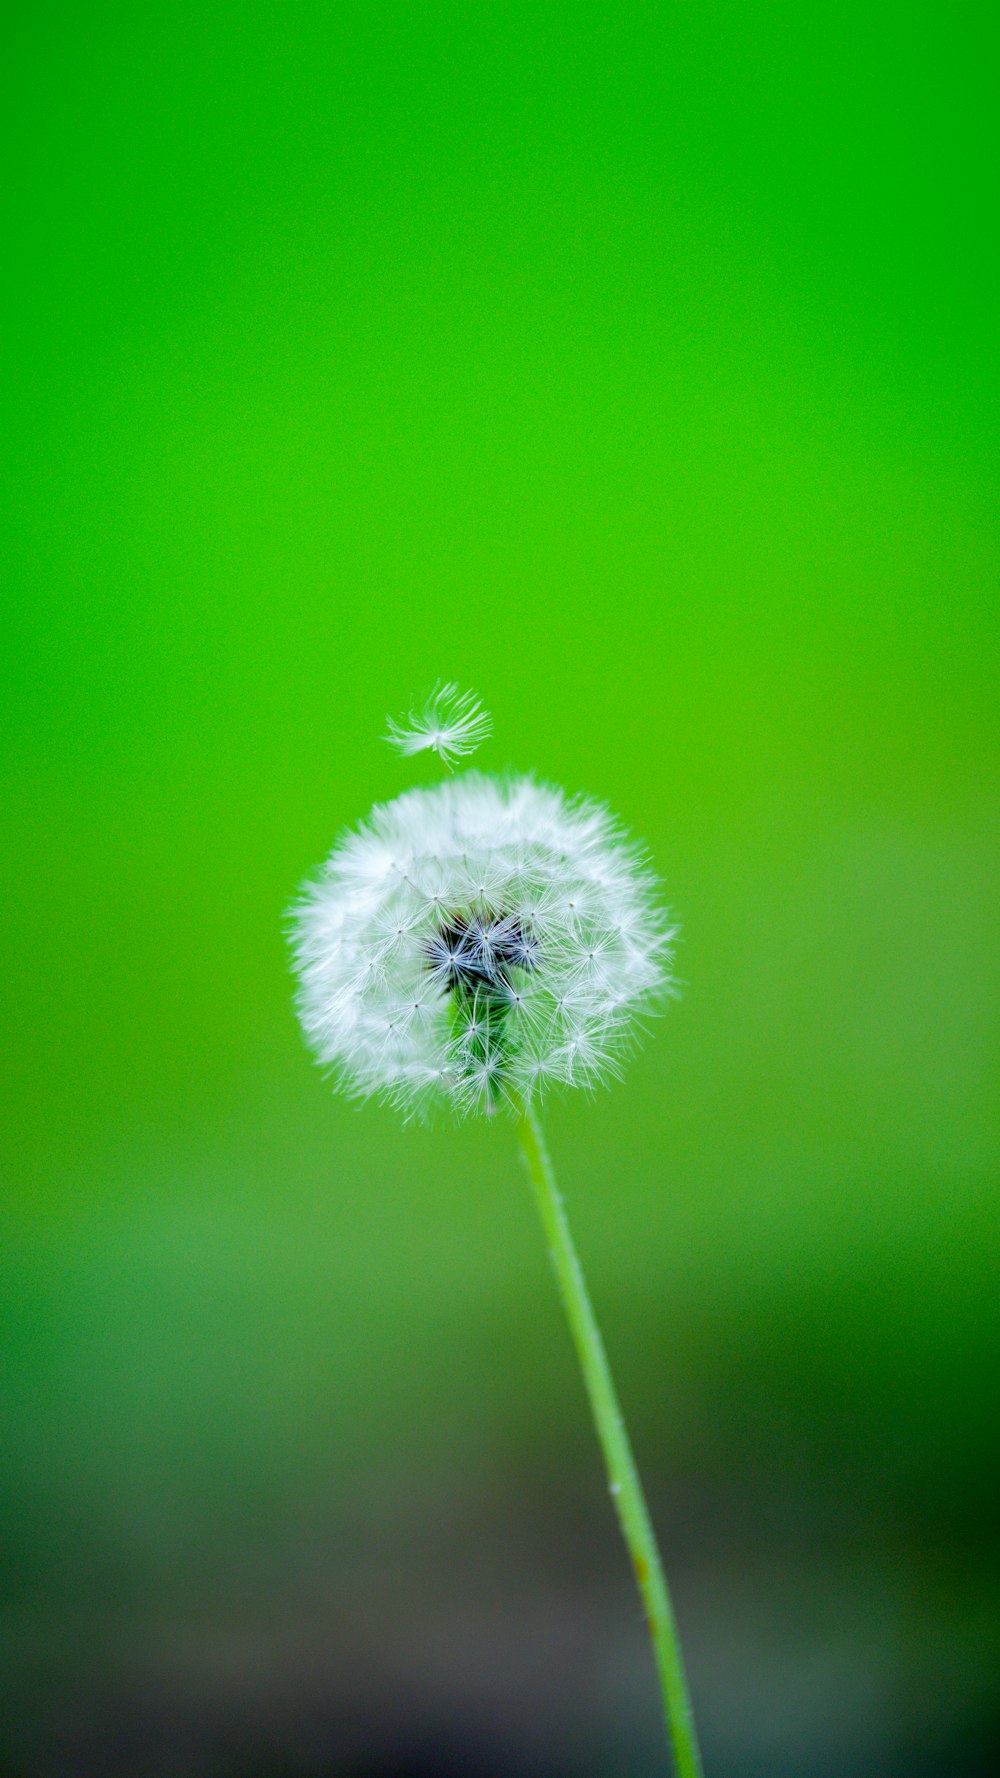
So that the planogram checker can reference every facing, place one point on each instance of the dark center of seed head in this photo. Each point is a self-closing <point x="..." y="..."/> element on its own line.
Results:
<point x="478" y="951"/>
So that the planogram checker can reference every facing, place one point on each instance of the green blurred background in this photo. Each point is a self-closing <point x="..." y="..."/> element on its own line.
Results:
<point x="637" y="367"/>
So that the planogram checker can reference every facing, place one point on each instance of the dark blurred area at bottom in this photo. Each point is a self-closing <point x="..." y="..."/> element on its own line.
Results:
<point x="462" y="1627"/>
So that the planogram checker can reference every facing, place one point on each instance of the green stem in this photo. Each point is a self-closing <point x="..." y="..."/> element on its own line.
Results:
<point x="623" y="1477"/>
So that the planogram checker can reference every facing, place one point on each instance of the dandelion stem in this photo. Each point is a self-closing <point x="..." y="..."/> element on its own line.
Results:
<point x="623" y="1477"/>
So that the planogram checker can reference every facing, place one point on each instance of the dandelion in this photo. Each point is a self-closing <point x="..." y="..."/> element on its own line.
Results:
<point x="522" y="928"/>
<point x="450" y="722"/>
<point x="475" y="944"/>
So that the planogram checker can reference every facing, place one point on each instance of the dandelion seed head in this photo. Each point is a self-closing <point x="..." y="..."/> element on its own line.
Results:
<point x="450" y="722"/>
<point x="476" y="943"/>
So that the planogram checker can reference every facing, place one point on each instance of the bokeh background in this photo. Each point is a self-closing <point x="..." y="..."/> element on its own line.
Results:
<point x="635" y="366"/>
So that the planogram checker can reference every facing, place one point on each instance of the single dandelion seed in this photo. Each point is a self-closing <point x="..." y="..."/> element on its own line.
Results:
<point x="472" y="945"/>
<point x="450" y="723"/>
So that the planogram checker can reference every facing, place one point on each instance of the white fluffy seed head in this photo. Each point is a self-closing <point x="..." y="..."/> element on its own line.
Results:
<point x="476" y="943"/>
